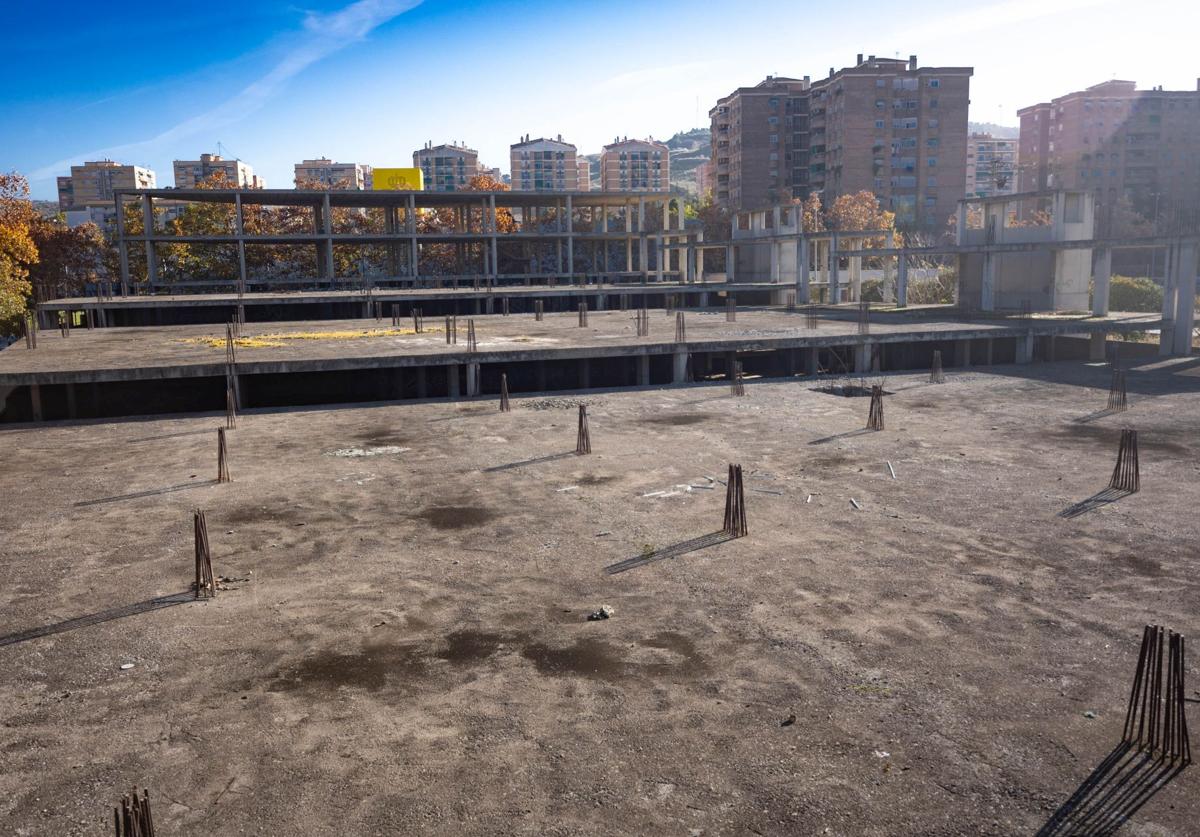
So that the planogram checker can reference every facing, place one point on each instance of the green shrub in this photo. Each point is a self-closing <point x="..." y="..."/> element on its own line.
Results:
<point x="1129" y="293"/>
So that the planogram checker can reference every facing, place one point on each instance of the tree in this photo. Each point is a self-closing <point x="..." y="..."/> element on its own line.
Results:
<point x="812" y="214"/>
<point x="17" y="249"/>
<point x="69" y="258"/>
<point x="860" y="211"/>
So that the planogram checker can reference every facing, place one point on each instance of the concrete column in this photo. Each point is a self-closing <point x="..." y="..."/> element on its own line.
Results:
<point x="803" y="279"/>
<point x="35" y="400"/>
<point x="241" y="231"/>
<point x="643" y="243"/>
<point x="862" y="358"/>
<point x="1025" y="348"/>
<point x="700" y="261"/>
<point x="730" y="262"/>
<point x="452" y="375"/>
<point x="1051" y="342"/>
<point x="774" y="245"/>
<point x="679" y="366"/>
<point x="570" y="222"/>
<point x="856" y="275"/>
<point x="1166" y="339"/>
<point x="148" y="230"/>
<point x="122" y="247"/>
<point x="811" y="360"/>
<point x="327" y="244"/>
<point x="835" y="295"/>
<point x="472" y="380"/>
<point x="1096" y="343"/>
<point x="494" y="267"/>
<point x="987" y="289"/>
<point x="628" y="248"/>
<point x="1185" y="293"/>
<point x="962" y="352"/>
<point x="902" y="281"/>
<point x="1102" y="282"/>
<point x="888" y="274"/>
<point x="422" y="389"/>
<point x="990" y="344"/>
<point x="585" y="373"/>
<point x="643" y="370"/>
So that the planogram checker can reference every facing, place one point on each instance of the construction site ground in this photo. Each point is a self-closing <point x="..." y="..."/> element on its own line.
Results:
<point x="401" y="644"/>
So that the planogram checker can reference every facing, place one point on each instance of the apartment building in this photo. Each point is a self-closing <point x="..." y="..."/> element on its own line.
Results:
<point x="333" y="175"/>
<point x="188" y="173"/>
<point x="448" y="167"/>
<point x="752" y="141"/>
<point x="544" y="165"/>
<point x="635" y="166"/>
<point x="991" y="165"/>
<point x="92" y="184"/>
<point x="1118" y="142"/>
<point x="585" y="175"/>
<point x="885" y="125"/>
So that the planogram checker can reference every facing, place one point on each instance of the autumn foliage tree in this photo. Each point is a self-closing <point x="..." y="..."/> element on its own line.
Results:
<point x="69" y="258"/>
<point x="18" y="252"/>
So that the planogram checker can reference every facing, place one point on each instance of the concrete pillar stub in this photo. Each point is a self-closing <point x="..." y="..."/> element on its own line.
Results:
<point x="901" y="282"/>
<point x="1096" y="344"/>
<point x="862" y="358"/>
<point x="452" y="382"/>
<point x="1102" y="283"/>
<point x="643" y="370"/>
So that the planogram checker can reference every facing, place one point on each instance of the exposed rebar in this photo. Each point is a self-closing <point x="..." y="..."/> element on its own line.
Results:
<point x="735" y="504"/>
<point x="205" y="585"/>
<point x="1126" y="475"/>
<point x="936" y="375"/>
<point x="583" y="438"/>
<point x="1118" y="398"/>
<point x="1156" y="718"/>
<point x="504" y="405"/>
<point x="680" y="328"/>
<point x="222" y="457"/>
<point x="875" y="415"/>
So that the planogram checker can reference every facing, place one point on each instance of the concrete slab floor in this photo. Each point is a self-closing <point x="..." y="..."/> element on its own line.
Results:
<point x="178" y="346"/>
<point x="409" y="653"/>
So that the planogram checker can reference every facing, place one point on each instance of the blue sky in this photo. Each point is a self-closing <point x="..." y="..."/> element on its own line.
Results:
<point x="369" y="81"/>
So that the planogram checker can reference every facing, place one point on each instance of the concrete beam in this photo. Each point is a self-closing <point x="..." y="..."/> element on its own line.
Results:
<point x="1101" y="283"/>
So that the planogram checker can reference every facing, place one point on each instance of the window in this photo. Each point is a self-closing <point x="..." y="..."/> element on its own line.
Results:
<point x="774" y="139"/>
<point x="931" y="161"/>
<point x="878" y="124"/>
<point x="932" y="142"/>
<point x="934" y="82"/>
<point x="881" y="82"/>
<point x="933" y="103"/>
<point x="880" y="103"/>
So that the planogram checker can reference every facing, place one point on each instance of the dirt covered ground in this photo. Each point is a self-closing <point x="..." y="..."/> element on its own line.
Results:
<point x="407" y="650"/>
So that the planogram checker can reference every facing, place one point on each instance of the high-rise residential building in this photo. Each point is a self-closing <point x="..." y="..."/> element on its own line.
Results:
<point x="448" y="167"/>
<point x="752" y="141"/>
<point x="92" y="184"/>
<point x="1118" y="142"/>
<point x="885" y="126"/>
<point x="240" y="174"/>
<point x="991" y="165"/>
<point x="635" y="166"/>
<point x="333" y="175"/>
<point x="544" y="165"/>
<point x="585" y="175"/>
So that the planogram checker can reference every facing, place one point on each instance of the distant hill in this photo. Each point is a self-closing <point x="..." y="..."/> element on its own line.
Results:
<point x="689" y="150"/>
<point x="997" y="131"/>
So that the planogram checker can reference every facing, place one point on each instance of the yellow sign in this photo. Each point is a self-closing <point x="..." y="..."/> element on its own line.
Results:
<point x="404" y="179"/>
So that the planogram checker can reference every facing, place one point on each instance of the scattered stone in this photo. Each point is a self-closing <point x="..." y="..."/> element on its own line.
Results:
<point x="788" y="721"/>
<point x="1089" y="714"/>
<point x="605" y="612"/>
<point x="126" y="666"/>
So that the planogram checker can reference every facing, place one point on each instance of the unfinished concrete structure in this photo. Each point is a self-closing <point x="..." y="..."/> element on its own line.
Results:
<point x="608" y="236"/>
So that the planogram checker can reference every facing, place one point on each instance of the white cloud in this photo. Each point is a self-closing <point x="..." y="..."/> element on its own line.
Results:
<point x="322" y="35"/>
